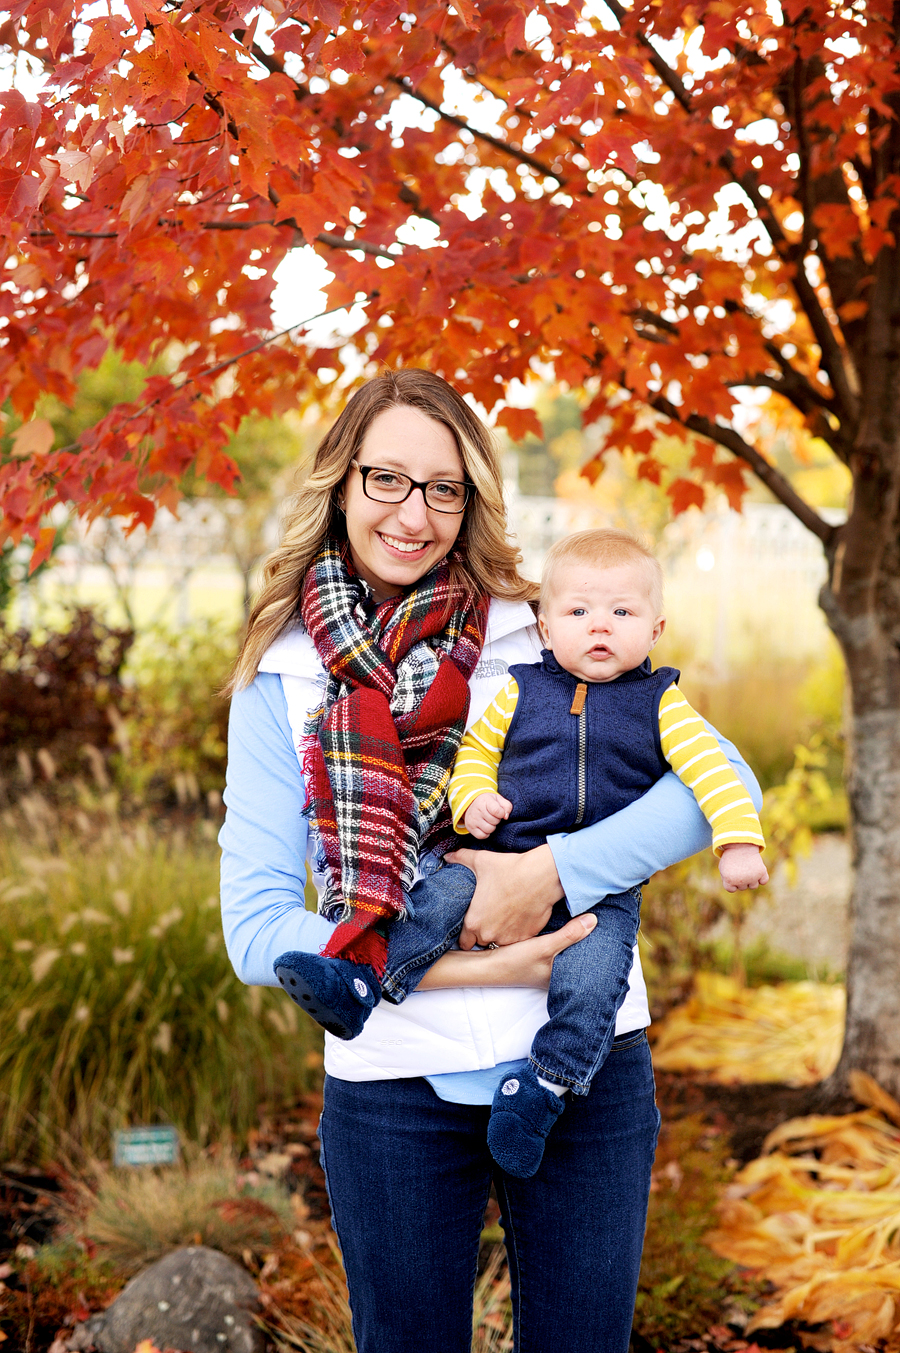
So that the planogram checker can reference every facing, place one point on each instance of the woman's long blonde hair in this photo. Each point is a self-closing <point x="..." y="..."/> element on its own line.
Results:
<point x="486" y="562"/>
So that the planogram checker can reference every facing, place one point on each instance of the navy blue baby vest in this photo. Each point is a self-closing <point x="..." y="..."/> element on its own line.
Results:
<point x="562" y="770"/>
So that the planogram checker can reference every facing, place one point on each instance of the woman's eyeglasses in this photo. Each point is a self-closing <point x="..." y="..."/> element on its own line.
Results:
<point x="389" y="486"/>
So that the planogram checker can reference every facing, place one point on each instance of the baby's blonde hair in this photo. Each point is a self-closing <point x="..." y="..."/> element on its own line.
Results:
<point x="604" y="547"/>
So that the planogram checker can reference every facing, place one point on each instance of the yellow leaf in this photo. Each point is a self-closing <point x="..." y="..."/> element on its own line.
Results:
<point x="867" y="1090"/>
<point x="32" y="439"/>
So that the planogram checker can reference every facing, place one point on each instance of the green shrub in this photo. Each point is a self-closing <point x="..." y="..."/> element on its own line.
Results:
<point x="119" y="1004"/>
<point x="88" y="704"/>
<point x="59" y="695"/>
<point x="174" y="738"/>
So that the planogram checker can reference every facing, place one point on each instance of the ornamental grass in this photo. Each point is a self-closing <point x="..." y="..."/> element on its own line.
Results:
<point x="119" y="1005"/>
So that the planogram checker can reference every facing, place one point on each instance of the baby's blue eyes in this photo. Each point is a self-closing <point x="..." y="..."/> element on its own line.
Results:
<point x="581" y="610"/>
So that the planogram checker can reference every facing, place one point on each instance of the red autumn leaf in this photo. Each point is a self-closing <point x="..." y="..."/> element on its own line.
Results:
<point x="837" y="226"/>
<point x="43" y="547"/>
<point x="519" y="422"/>
<point x="684" y="494"/>
<point x="651" y="470"/>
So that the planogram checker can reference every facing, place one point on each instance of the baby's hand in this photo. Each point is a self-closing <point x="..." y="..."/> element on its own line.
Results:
<point x="484" y="813"/>
<point x="741" y="866"/>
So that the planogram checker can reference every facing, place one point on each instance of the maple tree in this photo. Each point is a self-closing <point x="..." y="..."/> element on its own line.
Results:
<point x="668" y="205"/>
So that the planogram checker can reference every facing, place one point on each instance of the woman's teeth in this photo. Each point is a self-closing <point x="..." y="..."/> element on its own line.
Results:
<point x="405" y="546"/>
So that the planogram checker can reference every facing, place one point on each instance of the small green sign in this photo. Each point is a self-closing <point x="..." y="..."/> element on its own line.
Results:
<point x="145" y="1146"/>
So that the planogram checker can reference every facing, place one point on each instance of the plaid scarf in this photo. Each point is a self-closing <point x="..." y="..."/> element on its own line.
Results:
<point x="379" y="751"/>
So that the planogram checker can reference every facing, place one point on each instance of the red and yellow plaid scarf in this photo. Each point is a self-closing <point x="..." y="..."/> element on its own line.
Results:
<point x="380" y="750"/>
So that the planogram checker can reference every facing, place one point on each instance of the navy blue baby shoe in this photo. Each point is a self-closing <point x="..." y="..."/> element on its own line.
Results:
<point x="522" y="1114"/>
<point x="337" y="994"/>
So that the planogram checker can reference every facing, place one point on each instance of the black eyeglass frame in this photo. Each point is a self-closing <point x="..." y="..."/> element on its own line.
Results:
<point x="423" y="485"/>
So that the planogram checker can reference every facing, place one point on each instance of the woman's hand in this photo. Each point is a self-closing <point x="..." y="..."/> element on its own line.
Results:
<point x="527" y="964"/>
<point x="513" y="898"/>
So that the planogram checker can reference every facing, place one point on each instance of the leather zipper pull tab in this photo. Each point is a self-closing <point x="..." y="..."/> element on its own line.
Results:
<point x="579" y="698"/>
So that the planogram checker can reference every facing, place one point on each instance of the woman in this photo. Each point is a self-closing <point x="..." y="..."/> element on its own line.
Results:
<point x="402" y="515"/>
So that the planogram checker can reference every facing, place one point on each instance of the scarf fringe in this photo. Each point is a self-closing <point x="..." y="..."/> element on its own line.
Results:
<point x="359" y="945"/>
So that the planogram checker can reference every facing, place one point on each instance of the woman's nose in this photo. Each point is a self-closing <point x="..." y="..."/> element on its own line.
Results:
<point x="413" y="513"/>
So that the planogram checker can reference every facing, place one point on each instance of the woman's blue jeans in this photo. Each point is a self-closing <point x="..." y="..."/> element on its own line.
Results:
<point x="408" y="1178"/>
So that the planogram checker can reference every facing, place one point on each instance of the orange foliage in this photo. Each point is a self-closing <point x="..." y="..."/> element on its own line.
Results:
<point x="177" y="153"/>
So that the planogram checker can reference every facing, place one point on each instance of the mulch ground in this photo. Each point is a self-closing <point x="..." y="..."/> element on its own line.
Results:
<point x="747" y="1113"/>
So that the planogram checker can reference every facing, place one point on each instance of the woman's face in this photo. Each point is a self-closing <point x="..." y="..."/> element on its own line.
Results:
<point x="393" y="545"/>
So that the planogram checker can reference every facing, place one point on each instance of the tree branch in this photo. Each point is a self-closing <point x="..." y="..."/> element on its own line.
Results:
<point x="505" y="147"/>
<point x="656" y="321"/>
<point x="774" y="480"/>
<point x="662" y="68"/>
<point x="339" y="242"/>
<point x="816" y="420"/>
<point x="806" y="197"/>
<point x="74" y="234"/>
<point x="797" y="381"/>
<point x="792" y="386"/>
<point x="325" y="237"/>
<point x="220" y="366"/>
<point x="832" y="355"/>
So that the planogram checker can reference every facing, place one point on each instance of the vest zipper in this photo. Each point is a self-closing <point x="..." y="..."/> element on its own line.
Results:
<point x="582" y="761"/>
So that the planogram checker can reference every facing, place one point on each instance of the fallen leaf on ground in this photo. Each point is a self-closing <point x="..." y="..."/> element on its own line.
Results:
<point x="818" y="1216"/>
<point x="736" y="1035"/>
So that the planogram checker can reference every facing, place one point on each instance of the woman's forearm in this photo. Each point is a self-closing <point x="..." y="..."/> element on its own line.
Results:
<point x="481" y="968"/>
<point x="264" y="838"/>
<point x="526" y="964"/>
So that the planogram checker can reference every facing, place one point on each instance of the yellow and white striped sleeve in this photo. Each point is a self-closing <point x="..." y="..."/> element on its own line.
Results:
<point x="698" y="761"/>
<point x="475" y="768"/>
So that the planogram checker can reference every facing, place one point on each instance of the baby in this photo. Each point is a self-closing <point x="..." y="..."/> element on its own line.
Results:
<point x="567" y="741"/>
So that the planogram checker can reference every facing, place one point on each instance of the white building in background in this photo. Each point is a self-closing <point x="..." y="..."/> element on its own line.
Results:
<point x="738" y="585"/>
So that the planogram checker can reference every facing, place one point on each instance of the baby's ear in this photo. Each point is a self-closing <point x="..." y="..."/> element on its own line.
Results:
<point x="659" y="625"/>
<point x="542" y="629"/>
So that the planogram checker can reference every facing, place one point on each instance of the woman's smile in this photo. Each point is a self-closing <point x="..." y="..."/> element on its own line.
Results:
<point x="404" y="546"/>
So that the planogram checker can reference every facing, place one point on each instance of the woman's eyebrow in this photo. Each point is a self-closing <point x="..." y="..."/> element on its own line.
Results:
<point x="388" y="462"/>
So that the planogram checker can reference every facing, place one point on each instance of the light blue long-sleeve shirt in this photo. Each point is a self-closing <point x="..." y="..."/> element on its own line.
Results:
<point x="264" y="840"/>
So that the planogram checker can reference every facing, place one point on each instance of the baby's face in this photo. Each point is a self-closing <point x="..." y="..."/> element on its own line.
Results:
<point x="600" y="622"/>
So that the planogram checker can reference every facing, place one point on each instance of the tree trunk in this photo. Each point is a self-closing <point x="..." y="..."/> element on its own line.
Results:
<point x="872" y="1037"/>
<point x="862" y="603"/>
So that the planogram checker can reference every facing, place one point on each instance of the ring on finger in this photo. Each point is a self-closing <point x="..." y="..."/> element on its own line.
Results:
<point x="493" y="945"/>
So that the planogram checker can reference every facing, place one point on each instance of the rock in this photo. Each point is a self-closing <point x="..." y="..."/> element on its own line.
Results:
<point x="195" y="1299"/>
